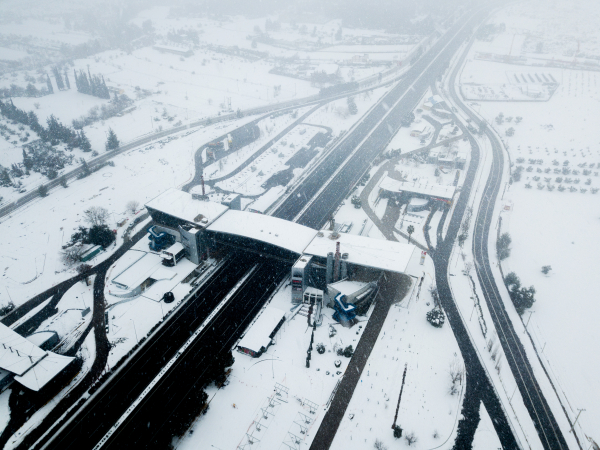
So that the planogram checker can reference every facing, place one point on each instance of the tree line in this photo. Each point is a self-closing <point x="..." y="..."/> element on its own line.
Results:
<point x="91" y="84"/>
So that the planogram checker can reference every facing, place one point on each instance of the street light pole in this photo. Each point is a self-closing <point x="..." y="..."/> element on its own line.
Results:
<point x="134" y="330"/>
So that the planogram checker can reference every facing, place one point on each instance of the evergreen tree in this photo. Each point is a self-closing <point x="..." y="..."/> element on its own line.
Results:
<point x="85" y="169"/>
<point x="352" y="108"/>
<point x="31" y="91"/>
<point x="42" y="190"/>
<point x="338" y="34"/>
<point x="56" y="130"/>
<point x="101" y="235"/>
<point x="83" y="84"/>
<point x="84" y="142"/>
<point x="58" y="77"/>
<point x="5" y="180"/>
<point x="27" y="161"/>
<point x="49" y="83"/>
<point x="410" y="230"/>
<point x="68" y="84"/>
<point x="503" y="246"/>
<point x="112" y="142"/>
<point x="76" y="81"/>
<point x="16" y="170"/>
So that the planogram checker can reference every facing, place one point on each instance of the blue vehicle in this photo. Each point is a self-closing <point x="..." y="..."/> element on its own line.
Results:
<point x="159" y="240"/>
<point x="344" y="312"/>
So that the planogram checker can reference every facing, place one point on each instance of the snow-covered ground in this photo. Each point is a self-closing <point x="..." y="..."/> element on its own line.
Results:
<point x="253" y="381"/>
<point x="34" y="234"/>
<point x="485" y="436"/>
<point x="549" y="227"/>
<point x="405" y="338"/>
<point x="427" y="409"/>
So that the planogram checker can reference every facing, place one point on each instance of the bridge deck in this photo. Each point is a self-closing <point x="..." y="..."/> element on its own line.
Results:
<point x="299" y="239"/>
<point x="271" y="230"/>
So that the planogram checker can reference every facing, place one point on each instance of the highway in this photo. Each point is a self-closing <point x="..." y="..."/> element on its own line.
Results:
<point x="549" y="433"/>
<point x="151" y="424"/>
<point x="344" y="168"/>
<point x="117" y="395"/>
<point x="314" y="215"/>
<point x="331" y="182"/>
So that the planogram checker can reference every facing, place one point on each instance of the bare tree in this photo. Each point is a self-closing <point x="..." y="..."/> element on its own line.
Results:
<point x="456" y="372"/>
<point x="411" y="439"/>
<point x="71" y="255"/>
<point x="379" y="445"/>
<point x="96" y="215"/>
<point x="132" y="206"/>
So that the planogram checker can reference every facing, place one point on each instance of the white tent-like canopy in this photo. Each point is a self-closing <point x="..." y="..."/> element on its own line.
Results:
<point x="32" y="366"/>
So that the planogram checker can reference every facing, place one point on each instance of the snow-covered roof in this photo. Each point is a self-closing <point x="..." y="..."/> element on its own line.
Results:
<point x="175" y="248"/>
<point x="180" y="204"/>
<point x="274" y="231"/>
<point x="418" y="201"/>
<point x="416" y="187"/>
<point x="32" y="366"/>
<point x="364" y="251"/>
<point x="171" y="48"/>
<point x="139" y="271"/>
<point x="347" y="287"/>
<point x="17" y="354"/>
<point x="258" y="335"/>
<point x="266" y="200"/>
<point x="40" y="374"/>
<point x="41" y="337"/>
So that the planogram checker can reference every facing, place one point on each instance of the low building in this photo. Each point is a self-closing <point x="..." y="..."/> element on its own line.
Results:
<point x="29" y="364"/>
<point x="261" y="333"/>
<point x="417" y="204"/>
<point x="90" y="253"/>
<point x="182" y="51"/>
<point x="416" y="132"/>
<point x="355" y="292"/>
<point x="418" y="189"/>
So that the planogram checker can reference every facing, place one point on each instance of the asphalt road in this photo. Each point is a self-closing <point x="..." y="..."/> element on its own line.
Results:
<point x="539" y="410"/>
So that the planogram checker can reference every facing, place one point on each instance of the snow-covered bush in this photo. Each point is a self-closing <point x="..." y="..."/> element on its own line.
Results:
<point x="397" y="432"/>
<point x="320" y="348"/>
<point x="411" y="439"/>
<point x="436" y="317"/>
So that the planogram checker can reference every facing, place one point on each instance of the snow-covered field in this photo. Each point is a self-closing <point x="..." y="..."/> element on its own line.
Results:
<point x="427" y="409"/>
<point x="34" y="234"/>
<point x="547" y="226"/>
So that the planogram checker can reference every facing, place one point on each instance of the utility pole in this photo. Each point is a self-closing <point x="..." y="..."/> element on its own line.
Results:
<point x="134" y="330"/>
<point x="576" y="419"/>
<point x="528" y="319"/>
<point x="400" y="397"/>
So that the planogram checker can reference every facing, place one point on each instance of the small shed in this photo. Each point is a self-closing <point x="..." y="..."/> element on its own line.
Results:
<point x="90" y="253"/>
<point x="260" y="334"/>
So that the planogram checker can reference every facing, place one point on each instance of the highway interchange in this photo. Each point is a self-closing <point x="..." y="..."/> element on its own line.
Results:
<point x="311" y="203"/>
